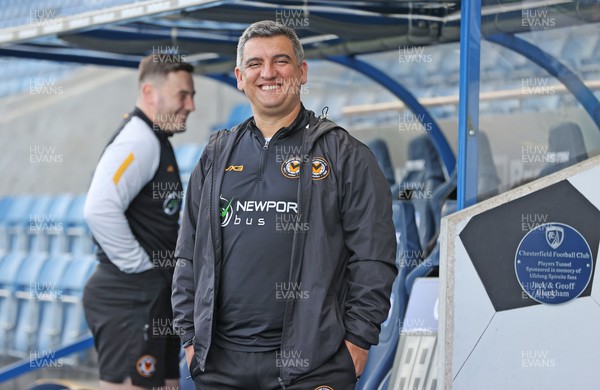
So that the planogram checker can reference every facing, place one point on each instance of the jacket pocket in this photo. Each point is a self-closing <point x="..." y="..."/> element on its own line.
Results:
<point x="194" y="368"/>
<point x="348" y="358"/>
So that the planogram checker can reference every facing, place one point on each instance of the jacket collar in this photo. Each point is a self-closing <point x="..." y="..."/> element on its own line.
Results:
<point x="299" y="122"/>
<point x="161" y="134"/>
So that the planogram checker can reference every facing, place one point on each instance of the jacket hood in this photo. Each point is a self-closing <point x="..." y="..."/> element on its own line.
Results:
<point x="319" y="126"/>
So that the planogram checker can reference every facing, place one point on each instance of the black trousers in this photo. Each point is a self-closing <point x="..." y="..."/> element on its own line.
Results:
<point x="235" y="370"/>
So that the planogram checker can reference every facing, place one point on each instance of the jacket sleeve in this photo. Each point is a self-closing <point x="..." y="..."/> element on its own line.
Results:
<point x="125" y="167"/>
<point x="366" y="209"/>
<point x="184" y="286"/>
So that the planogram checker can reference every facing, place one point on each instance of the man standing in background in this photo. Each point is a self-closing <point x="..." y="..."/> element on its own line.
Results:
<point x="132" y="209"/>
<point x="286" y="255"/>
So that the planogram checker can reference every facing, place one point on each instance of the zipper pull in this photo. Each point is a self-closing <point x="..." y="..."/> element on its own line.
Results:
<point x="281" y="383"/>
<point x="324" y="112"/>
<point x="146" y="326"/>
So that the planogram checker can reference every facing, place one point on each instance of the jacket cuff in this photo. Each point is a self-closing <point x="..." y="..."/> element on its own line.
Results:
<point x="356" y="340"/>
<point x="187" y="340"/>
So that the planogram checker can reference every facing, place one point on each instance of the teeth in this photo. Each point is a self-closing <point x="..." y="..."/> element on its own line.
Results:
<point x="269" y="87"/>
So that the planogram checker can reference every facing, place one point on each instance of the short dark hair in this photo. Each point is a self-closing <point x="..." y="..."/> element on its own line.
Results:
<point x="161" y="65"/>
<point x="268" y="29"/>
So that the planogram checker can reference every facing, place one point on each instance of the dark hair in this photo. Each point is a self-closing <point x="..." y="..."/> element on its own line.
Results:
<point x="268" y="29"/>
<point x="161" y="65"/>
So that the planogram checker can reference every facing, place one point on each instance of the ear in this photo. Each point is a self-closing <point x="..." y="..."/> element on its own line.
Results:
<point x="304" y="70"/>
<point x="148" y="93"/>
<point x="240" y="79"/>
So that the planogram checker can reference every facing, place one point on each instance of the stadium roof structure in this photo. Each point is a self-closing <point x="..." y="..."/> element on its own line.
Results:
<point x="206" y="31"/>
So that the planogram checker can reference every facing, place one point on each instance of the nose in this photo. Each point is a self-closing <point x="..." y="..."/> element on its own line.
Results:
<point x="189" y="103"/>
<point x="268" y="71"/>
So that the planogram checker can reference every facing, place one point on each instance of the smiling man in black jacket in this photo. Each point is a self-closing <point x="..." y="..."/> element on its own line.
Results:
<point x="287" y="227"/>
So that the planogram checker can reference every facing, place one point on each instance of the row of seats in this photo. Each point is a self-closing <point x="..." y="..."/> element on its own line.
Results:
<point x="17" y="12"/>
<point x="32" y="77"/>
<point x="54" y="223"/>
<point x="423" y="197"/>
<point x="46" y="223"/>
<point x="40" y="301"/>
<point x="417" y="222"/>
<point x="46" y="257"/>
<point x="424" y="175"/>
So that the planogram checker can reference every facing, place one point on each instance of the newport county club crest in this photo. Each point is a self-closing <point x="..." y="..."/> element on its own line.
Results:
<point x="172" y="203"/>
<point x="146" y="366"/>
<point x="554" y="236"/>
<point x="320" y="168"/>
<point x="291" y="168"/>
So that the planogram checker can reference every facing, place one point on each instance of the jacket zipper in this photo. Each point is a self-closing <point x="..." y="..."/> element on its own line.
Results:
<point x="264" y="155"/>
<point x="264" y="152"/>
<point x="212" y="226"/>
<point x="301" y="207"/>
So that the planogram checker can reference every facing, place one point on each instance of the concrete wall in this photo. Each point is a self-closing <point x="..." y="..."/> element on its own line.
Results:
<point x="51" y="142"/>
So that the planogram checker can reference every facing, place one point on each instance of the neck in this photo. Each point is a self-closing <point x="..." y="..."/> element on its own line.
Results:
<point x="268" y="126"/>
<point x="146" y="110"/>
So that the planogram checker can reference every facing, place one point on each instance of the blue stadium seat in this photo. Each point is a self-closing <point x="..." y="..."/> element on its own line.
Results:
<point x="443" y="203"/>
<point x="5" y="203"/>
<point x="60" y="211"/>
<point x="440" y="196"/>
<point x="17" y="221"/>
<point x="187" y="156"/>
<point x="40" y="222"/>
<point x="382" y="154"/>
<point x="381" y="356"/>
<point x="9" y="267"/>
<point x="71" y="286"/>
<point x="75" y="218"/>
<point x="424" y="175"/>
<point x="50" y="301"/>
<point x="26" y="292"/>
<point x="566" y="143"/>
<point x="423" y="269"/>
<point x="78" y="235"/>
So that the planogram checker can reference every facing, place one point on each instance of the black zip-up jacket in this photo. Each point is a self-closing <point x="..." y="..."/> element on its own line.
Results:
<point x="345" y="259"/>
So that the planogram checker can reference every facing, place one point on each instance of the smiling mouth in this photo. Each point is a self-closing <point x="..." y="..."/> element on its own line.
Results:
<point x="269" y="87"/>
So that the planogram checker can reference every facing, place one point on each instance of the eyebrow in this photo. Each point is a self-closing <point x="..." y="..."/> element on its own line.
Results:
<point x="277" y="56"/>
<point x="187" y="91"/>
